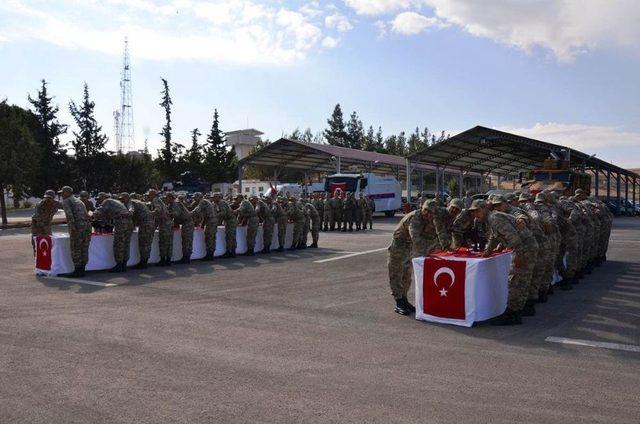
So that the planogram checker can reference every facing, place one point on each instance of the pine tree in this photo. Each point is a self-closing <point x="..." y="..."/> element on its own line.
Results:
<point x="336" y="134"/>
<point x="53" y="171"/>
<point x="219" y="162"/>
<point x="194" y="154"/>
<point x="414" y="144"/>
<point x="355" y="132"/>
<point x="391" y="145"/>
<point x="426" y="136"/>
<point x="166" y="152"/>
<point x="379" y="143"/>
<point x="401" y="144"/>
<point x="89" y="140"/>
<point x="369" y="140"/>
<point x="442" y="137"/>
<point x="307" y="136"/>
<point x="295" y="135"/>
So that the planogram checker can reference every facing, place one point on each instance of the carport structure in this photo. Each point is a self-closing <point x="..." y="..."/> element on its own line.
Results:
<point x="325" y="158"/>
<point x="491" y="152"/>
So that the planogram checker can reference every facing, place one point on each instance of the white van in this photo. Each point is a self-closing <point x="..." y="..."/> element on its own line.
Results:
<point x="385" y="191"/>
<point x="290" y="189"/>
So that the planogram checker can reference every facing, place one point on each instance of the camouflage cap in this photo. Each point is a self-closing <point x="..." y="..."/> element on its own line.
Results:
<point x="456" y="203"/>
<point x="509" y="197"/>
<point x="430" y="205"/>
<point x="253" y="197"/>
<point x="50" y="194"/>
<point x="65" y="189"/>
<point x="123" y="195"/>
<point x="525" y="197"/>
<point x="497" y="199"/>
<point x="541" y="197"/>
<point x="477" y="204"/>
<point x="102" y="195"/>
<point x="197" y="194"/>
<point x="84" y="193"/>
<point x="216" y="194"/>
<point x="579" y="192"/>
<point x="517" y="193"/>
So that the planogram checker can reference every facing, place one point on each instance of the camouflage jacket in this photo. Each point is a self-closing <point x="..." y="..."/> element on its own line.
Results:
<point x="44" y="212"/>
<point x="160" y="211"/>
<point x="264" y="212"/>
<point x="180" y="213"/>
<point x="206" y="212"/>
<point x="225" y="213"/>
<point x="503" y="231"/>
<point x="111" y="210"/>
<point x="140" y="212"/>
<point x="76" y="213"/>
<point x="279" y="213"/>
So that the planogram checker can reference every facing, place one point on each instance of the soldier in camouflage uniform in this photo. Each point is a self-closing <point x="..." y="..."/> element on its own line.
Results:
<point x="314" y="215"/>
<point x="164" y="224"/>
<point x="348" y="211"/>
<point x="368" y="213"/>
<point x="182" y="218"/>
<point x="327" y="210"/>
<point x="318" y="203"/>
<point x="117" y="214"/>
<point x="208" y="219"/>
<point x="504" y="233"/>
<point x="548" y="220"/>
<point x="361" y="207"/>
<point x="419" y="233"/>
<point x="247" y="217"/>
<point x="279" y="213"/>
<point x="462" y="229"/>
<point x="338" y="207"/>
<point x="84" y="198"/>
<point x="571" y="239"/>
<point x="143" y="219"/>
<point x="43" y="216"/>
<point x="296" y="216"/>
<point x="79" y="227"/>
<point x="228" y="218"/>
<point x="306" y="227"/>
<point x="263" y="210"/>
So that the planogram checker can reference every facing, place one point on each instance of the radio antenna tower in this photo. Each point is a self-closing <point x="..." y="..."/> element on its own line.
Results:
<point x="124" y="116"/>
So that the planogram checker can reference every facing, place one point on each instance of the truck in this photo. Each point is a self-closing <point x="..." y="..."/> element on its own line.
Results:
<point x="292" y="189"/>
<point x="557" y="175"/>
<point x="384" y="190"/>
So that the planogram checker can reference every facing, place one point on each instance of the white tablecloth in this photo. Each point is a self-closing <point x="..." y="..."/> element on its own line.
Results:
<point x="53" y="255"/>
<point x="461" y="289"/>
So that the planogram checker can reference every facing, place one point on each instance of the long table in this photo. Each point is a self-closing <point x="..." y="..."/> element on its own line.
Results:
<point x="461" y="287"/>
<point x="53" y="253"/>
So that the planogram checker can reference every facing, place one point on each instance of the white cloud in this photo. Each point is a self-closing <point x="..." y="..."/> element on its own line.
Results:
<point x="380" y="7"/>
<point x="610" y="143"/>
<point x="382" y="28"/>
<point x="338" y="22"/>
<point x="329" y="42"/>
<point x="411" y="23"/>
<point x="237" y="32"/>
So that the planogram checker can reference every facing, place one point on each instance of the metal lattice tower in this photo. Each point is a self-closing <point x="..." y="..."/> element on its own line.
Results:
<point x="124" y="116"/>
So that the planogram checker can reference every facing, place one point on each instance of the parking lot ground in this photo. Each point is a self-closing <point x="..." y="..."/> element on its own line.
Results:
<point x="307" y="336"/>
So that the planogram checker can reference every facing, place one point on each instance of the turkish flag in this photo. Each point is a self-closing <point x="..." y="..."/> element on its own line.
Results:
<point x="43" y="253"/>
<point x="335" y="186"/>
<point x="443" y="288"/>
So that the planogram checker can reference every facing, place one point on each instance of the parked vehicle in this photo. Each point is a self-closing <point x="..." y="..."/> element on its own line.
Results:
<point x="385" y="191"/>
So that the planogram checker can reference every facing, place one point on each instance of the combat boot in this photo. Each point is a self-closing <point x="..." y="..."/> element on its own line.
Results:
<point x="302" y="246"/>
<point x="550" y="290"/>
<point x="280" y="249"/>
<point x="77" y="273"/>
<point x="266" y="250"/>
<point x="167" y="261"/>
<point x="542" y="296"/>
<point x="161" y="263"/>
<point x="184" y="260"/>
<point x="249" y="252"/>
<point x="565" y="285"/>
<point x="120" y="267"/>
<point x="529" y="309"/>
<point x="509" y="317"/>
<point x="141" y="265"/>
<point x="208" y="257"/>
<point x="314" y="245"/>
<point x="403" y="307"/>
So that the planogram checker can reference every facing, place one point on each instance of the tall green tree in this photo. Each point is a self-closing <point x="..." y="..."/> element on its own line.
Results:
<point x="220" y="163"/>
<point x="18" y="152"/>
<point x="307" y="136"/>
<point x="369" y="140"/>
<point x="336" y="134"/>
<point x="52" y="171"/>
<point x="415" y="142"/>
<point x="401" y="149"/>
<point x="89" y="140"/>
<point x="166" y="153"/>
<point x="355" y="132"/>
<point x="379" y="143"/>
<point x="193" y="157"/>
<point x="391" y="145"/>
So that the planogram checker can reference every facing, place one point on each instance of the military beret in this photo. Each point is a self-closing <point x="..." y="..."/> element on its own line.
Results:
<point x="50" y="194"/>
<point x="456" y="203"/>
<point x="66" y="189"/>
<point x="541" y="197"/>
<point x="497" y="199"/>
<point x="477" y="204"/>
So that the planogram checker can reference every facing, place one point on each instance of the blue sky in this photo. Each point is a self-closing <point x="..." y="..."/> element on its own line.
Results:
<point x="559" y="70"/>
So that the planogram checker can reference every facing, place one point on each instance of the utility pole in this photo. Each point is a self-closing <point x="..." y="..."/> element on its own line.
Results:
<point x="123" y="117"/>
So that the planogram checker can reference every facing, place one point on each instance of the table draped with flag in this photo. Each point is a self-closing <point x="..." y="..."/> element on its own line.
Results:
<point x="461" y="287"/>
<point x="53" y="253"/>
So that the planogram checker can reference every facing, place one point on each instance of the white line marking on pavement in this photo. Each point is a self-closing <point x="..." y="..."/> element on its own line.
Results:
<point x="79" y="281"/>
<point x="590" y="343"/>
<point x="350" y="255"/>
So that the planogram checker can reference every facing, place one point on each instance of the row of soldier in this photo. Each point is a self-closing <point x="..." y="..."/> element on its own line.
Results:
<point x="548" y="234"/>
<point x="164" y="211"/>
<point x="343" y="210"/>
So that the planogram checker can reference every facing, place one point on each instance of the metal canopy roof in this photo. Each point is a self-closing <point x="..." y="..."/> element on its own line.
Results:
<point x="314" y="157"/>
<point x="485" y="150"/>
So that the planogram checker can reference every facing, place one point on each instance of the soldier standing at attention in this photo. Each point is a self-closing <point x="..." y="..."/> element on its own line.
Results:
<point x="279" y="213"/>
<point x="143" y="219"/>
<point x="504" y="233"/>
<point x="327" y="209"/>
<point x="79" y="231"/>
<point x="338" y="208"/>
<point x="247" y="216"/>
<point x="362" y="205"/>
<point x="349" y="210"/>
<point x="208" y="218"/>
<point x="357" y="210"/>
<point x="226" y="216"/>
<point x="368" y="213"/>
<point x="181" y="217"/>
<point x="314" y="216"/>
<point x="295" y="215"/>
<point x="416" y="235"/>
<point x="43" y="215"/>
<point x="318" y="203"/>
<point x="117" y="214"/>
<point x="164" y="224"/>
<point x="84" y="198"/>
<point x="263" y="210"/>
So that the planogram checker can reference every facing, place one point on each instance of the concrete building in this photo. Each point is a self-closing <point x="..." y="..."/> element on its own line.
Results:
<point x="243" y="141"/>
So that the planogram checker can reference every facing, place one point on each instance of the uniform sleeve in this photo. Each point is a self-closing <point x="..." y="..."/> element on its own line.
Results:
<point x="442" y="231"/>
<point x="418" y="239"/>
<point x="68" y="211"/>
<point x="461" y="224"/>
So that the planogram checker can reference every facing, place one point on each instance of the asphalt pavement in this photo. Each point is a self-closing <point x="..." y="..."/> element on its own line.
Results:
<point x="294" y="337"/>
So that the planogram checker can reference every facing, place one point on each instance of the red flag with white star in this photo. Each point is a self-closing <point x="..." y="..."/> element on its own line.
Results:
<point x="43" y="253"/>
<point x="444" y="288"/>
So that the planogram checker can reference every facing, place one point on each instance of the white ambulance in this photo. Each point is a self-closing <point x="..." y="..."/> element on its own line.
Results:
<point x="385" y="190"/>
